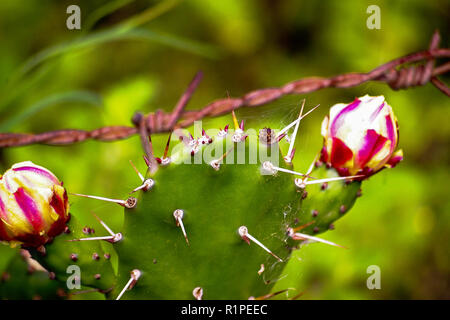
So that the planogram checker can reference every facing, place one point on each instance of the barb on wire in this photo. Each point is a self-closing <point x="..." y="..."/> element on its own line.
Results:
<point x="398" y="74"/>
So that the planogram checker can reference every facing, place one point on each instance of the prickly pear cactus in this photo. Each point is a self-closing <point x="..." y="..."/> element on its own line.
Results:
<point x="224" y="209"/>
<point x="219" y="217"/>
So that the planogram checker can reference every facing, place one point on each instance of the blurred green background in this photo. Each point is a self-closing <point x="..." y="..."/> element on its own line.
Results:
<point x="140" y="55"/>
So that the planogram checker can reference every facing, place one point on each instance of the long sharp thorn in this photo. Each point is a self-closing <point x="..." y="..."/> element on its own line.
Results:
<point x="235" y="121"/>
<point x="129" y="203"/>
<point x="104" y="225"/>
<point x="118" y="201"/>
<point x="311" y="166"/>
<point x="178" y="215"/>
<point x="306" y="114"/>
<point x="124" y="289"/>
<point x="147" y="161"/>
<point x="134" y="277"/>
<point x="280" y="137"/>
<point x="285" y="129"/>
<point x="268" y="166"/>
<point x="146" y="183"/>
<point x="243" y="232"/>
<point x="107" y="238"/>
<point x="302" y="236"/>
<point x="138" y="188"/>
<point x="303" y="226"/>
<point x="303" y="181"/>
<point x="137" y="171"/>
<point x="291" y="155"/>
<point x="216" y="163"/>
<point x="332" y="179"/>
<point x="288" y="159"/>
<point x="166" y="149"/>
<point x="290" y="125"/>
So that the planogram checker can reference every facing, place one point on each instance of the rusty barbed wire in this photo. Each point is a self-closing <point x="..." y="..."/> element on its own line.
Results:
<point x="398" y="74"/>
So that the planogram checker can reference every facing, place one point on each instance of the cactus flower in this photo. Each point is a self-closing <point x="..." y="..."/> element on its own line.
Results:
<point x="33" y="205"/>
<point x="360" y="138"/>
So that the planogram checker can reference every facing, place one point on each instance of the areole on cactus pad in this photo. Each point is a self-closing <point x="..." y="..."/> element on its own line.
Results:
<point x="219" y="215"/>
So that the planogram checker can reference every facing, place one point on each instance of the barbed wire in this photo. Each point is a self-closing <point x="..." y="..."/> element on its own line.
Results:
<point x="398" y="74"/>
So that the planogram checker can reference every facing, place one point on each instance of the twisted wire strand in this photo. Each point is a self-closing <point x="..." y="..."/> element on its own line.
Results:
<point x="398" y="74"/>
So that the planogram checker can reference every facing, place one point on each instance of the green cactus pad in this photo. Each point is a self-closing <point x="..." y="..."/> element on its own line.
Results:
<point x="89" y="256"/>
<point x="322" y="204"/>
<point x="215" y="204"/>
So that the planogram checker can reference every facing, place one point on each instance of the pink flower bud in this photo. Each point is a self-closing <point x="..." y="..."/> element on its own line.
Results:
<point x="360" y="138"/>
<point x="33" y="205"/>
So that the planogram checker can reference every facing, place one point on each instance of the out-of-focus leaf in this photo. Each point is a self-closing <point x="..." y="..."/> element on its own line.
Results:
<point x="103" y="11"/>
<point x="117" y="34"/>
<point x="150" y="14"/>
<point x="55" y="99"/>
